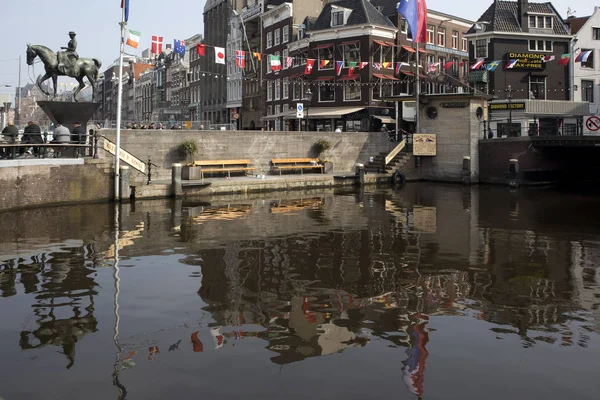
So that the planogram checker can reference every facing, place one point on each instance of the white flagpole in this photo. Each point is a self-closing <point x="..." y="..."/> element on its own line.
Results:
<point x="417" y="90"/>
<point x="119" y="104"/>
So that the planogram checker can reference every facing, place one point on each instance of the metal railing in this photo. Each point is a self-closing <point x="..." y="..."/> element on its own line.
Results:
<point x="86" y="146"/>
<point x="165" y="125"/>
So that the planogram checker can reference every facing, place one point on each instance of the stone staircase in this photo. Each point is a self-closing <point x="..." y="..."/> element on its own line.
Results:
<point x="377" y="166"/>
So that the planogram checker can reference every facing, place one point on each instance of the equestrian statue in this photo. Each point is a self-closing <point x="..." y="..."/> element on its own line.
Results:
<point x="65" y="63"/>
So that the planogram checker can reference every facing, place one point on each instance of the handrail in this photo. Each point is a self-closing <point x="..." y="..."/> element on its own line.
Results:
<point x="395" y="152"/>
<point x="125" y="156"/>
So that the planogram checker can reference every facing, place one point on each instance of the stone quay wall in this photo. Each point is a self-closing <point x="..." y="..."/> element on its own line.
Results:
<point x="260" y="147"/>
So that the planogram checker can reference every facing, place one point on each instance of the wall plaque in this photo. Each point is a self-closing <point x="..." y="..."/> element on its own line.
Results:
<point x="424" y="144"/>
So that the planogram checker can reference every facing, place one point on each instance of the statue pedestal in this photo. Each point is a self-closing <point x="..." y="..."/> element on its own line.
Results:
<point x="68" y="112"/>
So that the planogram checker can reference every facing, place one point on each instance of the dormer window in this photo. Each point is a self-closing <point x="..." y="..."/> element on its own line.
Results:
<point x="540" y="21"/>
<point x="339" y="16"/>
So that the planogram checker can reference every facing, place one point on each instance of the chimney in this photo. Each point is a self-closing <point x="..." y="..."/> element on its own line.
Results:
<point x="522" y="9"/>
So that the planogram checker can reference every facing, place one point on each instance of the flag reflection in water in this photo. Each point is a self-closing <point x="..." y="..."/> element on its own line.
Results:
<point x="414" y="366"/>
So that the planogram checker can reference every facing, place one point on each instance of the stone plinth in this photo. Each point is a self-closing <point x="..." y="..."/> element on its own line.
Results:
<point x="68" y="112"/>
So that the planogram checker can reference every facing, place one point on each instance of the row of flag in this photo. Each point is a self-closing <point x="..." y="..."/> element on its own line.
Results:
<point x="510" y="64"/>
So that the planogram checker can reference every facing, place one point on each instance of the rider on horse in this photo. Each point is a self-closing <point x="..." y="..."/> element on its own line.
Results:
<point x="67" y="59"/>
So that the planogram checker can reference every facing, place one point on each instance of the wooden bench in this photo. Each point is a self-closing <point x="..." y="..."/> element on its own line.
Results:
<point x="222" y="166"/>
<point x="291" y="164"/>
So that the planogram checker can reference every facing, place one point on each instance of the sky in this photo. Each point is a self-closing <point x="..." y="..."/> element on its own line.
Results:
<point x="97" y="28"/>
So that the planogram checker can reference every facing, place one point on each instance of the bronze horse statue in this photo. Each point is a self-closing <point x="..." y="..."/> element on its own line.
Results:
<point x="82" y="68"/>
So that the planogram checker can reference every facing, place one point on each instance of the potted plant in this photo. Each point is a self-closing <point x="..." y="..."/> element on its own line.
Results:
<point x="188" y="149"/>
<point x="319" y="147"/>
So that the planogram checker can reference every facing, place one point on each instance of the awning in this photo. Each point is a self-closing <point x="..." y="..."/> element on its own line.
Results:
<point x="382" y="43"/>
<point x="298" y="75"/>
<point x="324" y="78"/>
<point x="478" y="76"/>
<point x="348" y="77"/>
<point x="386" y="120"/>
<point x="391" y="44"/>
<point x="327" y="112"/>
<point x="409" y="49"/>
<point x="424" y="51"/>
<point x="323" y="46"/>
<point x="349" y="42"/>
<point x="424" y="76"/>
<point x="407" y="73"/>
<point x="288" y="113"/>
<point x="381" y="76"/>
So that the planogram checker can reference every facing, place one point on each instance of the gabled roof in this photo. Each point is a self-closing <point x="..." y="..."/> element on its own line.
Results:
<point x="576" y="23"/>
<point x="503" y="17"/>
<point x="363" y="12"/>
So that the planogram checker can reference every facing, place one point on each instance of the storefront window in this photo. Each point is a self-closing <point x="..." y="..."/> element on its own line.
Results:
<point x="326" y="92"/>
<point x="352" y="91"/>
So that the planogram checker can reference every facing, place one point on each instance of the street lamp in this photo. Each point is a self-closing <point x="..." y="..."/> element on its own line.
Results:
<point x="508" y="92"/>
<point x="308" y="98"/>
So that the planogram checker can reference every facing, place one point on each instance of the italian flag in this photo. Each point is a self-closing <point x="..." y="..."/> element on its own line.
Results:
<point x="134" y="39"/>
<point x="275" y="63"/>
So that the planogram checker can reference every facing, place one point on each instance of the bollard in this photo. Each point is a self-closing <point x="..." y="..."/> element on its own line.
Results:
<point x="176" y="188"/>
<point x="360" y="171"/>
<point x="124" y="188"/>
<point x="466" y="170"/>
<point x="513" y="172"/>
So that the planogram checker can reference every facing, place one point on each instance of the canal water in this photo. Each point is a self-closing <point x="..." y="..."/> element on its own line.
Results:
<point x="433" y="291"/>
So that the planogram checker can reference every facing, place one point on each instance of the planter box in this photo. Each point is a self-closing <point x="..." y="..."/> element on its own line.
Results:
<point x="190" y="173"/>
<point x="327" y="167"/>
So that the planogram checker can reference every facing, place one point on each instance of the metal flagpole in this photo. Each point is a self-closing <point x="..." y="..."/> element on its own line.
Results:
<point x="417" y="90"/>
<point x="119" y="105"/>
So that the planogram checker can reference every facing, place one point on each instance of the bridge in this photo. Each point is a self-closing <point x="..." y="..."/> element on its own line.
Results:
<point x="565" y="141"/>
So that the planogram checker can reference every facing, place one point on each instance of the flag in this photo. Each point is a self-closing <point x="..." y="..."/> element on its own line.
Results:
<point x="134" y="39"/>
<point x="338" y="67"/>
<point x="220" y="55"/>
<point x="448" y="65"/>
<point x="240" y="59"/>
<point x="431" y="68"/>
<point x="398" y="65"/>
<point x="201" y="49"/>
<point x="548" y="58"/>
<point x="275" y="63"/>
<point x="386" y="64"/>
<point x="309" y="66"/>
<point x="323" y="63"/>
<point x="125" y="5"/>
<point x="351" y="71"/>
<point x="492" y="66"/>
<point x="363" y="64"/>
<point x="460" y="64"/>
<point x="583" y="56"/>
<point x="377" y="66"/>
<point x="157" y="42"/>
<point x="511" y="63"/>
<point x="258" y="56"/>
<point x="477" y="64"/>
<point x="179" y="46"/>
<point x="415" y="12"/>
<point x="564" y="59"/>
<point x="289" y="61"/>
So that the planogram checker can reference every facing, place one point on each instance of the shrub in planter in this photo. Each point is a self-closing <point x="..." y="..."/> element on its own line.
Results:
<point x="321" y="146"/>
<point x="188" y="149"/>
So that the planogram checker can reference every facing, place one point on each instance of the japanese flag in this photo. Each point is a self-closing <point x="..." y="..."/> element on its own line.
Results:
<point x="219" y="55"/>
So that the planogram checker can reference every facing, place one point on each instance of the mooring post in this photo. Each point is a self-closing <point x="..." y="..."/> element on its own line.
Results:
<point x="466" y="170"/>
<point x="176" y="188"/>
<point x="513" y="172"/>
<point x="124" y="188"/>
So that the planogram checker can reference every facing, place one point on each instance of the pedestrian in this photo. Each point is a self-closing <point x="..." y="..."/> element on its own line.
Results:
<point x="9" y="134"/>
<point x="61" y="134"/>
<point x="490" y="133"/>
<point x="338" y="130"/>
<point x="32" y="134"/>
<point x="78" y="135"/>
<point x="384" y="129"/>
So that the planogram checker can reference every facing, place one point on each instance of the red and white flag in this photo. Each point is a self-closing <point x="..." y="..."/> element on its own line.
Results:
<point x="548" y="58"/>
<point x="240" y="59"/>
<point x="363" y="64"/>
<point x="310" y="62"/>
<point x="157" y="44"/>
<point x="289" y="61"/>
<point x="219" y="55"/>
<point x="477" y="65"/>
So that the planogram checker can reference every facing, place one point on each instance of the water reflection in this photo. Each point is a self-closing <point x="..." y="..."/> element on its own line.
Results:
<point x="291" y="280"/>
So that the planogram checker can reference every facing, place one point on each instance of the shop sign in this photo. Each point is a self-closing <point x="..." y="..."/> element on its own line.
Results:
<point x="424" y="144"/>
<point x="252" y="11"/>
<point x="454" y="104"/>
<point x="520" y="106"/>
<point x="527" y="60"/>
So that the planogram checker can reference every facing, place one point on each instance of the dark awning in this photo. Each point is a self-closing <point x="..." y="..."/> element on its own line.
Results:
<point x="324" y="78"/>
<point x="323" y="46"/>
<point x="381" y="43"/>
<point x="407" y="73"/>
<point x="349" y="42"/>
<point x="348" y="77"/>
<point x="409" y="49"/>
<point x="381" y="76"/>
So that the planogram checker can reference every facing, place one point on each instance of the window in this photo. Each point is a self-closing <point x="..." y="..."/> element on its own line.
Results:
<point x="286" y="34"/>
<point x="286" y="88"/>
<point x="587" y="91"/>
<point x="350" y="54"/>
<point x="590" y="60"/>
<point x="325" y="54"/>
<point x="383" y="88"/>
<point x="337" y="18"/>
<point x="455" y="39"/>
<point x="481" y="48"/>
<point x="326" y="92"/>
<point x="277" y="90"/>
<point x="465" y="45"/>
<point x="299" y="87"/>
<point x="269" y="39"/>
<point x="537" y="87"/>
<point x="284" y="58"/>
<point x="277" y="37"/>
<point x="383" y="53"/>
<point x="540" y="21"/>
<point x="406" y="29"/>
<point x="441" y="36"/>
<point x="540" y="45"/>
<point x="430" y="34"/>
<point x="277" y="109"/>
<point x="269" y="91"/>
<point x="352" y="91"/>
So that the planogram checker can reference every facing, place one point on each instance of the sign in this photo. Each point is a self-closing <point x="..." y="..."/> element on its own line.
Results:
<point x="187" y="124"/>
<point x="454" y="104"/>
<point x="252" y="11"/>
<point x="591" y="125"/>
<point x="527" y="60"/>
<point x="299" y="110"/>
<point x="446" y="50"/>
<point x="124" y="156"/>
<point x="424" y="144"/>
<point x="520" y="106"/>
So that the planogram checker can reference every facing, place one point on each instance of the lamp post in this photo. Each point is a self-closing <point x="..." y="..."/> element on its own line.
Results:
<point x="508" y="92"/>
<point x="307" y="98"/>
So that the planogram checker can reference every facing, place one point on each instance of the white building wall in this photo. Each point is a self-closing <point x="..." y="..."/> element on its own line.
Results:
<point x="586" y="41"/>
